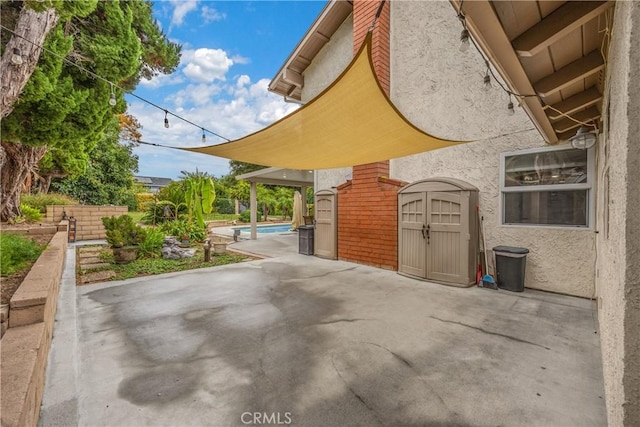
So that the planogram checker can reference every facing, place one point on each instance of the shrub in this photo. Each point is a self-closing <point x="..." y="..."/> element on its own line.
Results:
<point x="122" y="231"/>
<point x="180" y="229"/>
<point x="162" y="211"/>
<point x="224" y="206"/>
<point x="143" y="200"/>
<point x="40" y="201"/>
<point x="152" y="245"/>
<point x="30" y="214"/>
<point x="16" y="252"/>
<point x="245" y="216"/>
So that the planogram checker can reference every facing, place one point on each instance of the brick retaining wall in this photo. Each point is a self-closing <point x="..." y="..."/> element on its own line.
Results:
<point x="89" y="218"/>
<point x="25" y="345"/>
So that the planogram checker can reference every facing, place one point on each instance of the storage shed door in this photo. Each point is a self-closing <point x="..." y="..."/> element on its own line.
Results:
<point x="447" y="236"/>
<point x="412" y="237"/>
<point x="326" y="232"/>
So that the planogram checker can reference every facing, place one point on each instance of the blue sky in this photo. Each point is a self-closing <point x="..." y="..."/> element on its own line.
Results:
<point x="230" y="52"/>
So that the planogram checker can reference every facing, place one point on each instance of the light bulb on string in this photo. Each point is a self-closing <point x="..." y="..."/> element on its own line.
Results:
<point x="166" y="119"/>
<point x="112" y="97"/>
<point x="487" y="82"/>
<point x="464" y="40"/>
<point x="204" y="137"/>
<point x="16" y="57"/>
<point x="511" y="111"/>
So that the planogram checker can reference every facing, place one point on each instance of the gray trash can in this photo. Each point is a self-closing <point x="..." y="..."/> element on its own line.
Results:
<point x="510" y="267"/>
<point x="305" y="239"/>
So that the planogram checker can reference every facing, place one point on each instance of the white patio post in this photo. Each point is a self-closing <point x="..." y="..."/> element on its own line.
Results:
<point x="303" y="192"/>
<point x="253" y="206"/>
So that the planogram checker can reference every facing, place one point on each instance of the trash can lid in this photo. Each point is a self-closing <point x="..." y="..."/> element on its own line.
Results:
<point x="511" y="250"/>
<point x="306" y="227"/>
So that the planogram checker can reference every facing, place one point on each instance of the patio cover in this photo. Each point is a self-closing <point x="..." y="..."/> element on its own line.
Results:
<point x="351" y="122"/>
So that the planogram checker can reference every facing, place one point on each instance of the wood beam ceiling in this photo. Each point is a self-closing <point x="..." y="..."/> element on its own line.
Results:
<point x="486" y="28"/>
<point x="555" y="33"/>
<point x="561" y="22"/>
<point x="570" y="74"/>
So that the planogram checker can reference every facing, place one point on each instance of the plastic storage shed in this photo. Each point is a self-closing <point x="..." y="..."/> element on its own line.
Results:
<point x="511" y="263"/>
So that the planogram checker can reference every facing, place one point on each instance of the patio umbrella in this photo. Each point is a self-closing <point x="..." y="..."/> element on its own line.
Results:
<point x="296" y="217"/>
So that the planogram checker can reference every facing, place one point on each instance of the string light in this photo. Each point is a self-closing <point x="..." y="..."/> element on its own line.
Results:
<point x="112" y="98"/>
<point x="464" y="40"/>
<point x="510" y="106"/>
<point x="17" y="60"/>
<point x="16" y="57"/>
<point x="204" y="137"/>
<point x="487" y="82"/>
<point x="511" y="111"/>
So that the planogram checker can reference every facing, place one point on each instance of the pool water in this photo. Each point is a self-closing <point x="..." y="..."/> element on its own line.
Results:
<point x="262" y="229"/>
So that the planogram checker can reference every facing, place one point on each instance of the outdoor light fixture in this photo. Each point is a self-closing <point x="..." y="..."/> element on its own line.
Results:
<point x="112" y="97"/>
<point x="464" y="40"/>
<point x="166" y="119"/>
<point x="487" y="82"/>
<point x="583" y="139"/>
<point x="511" y="111"/>
<point x="16" y="58"/>
<point x="204" y="137"/>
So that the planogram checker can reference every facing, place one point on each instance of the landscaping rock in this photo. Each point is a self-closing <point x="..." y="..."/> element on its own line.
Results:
<point x="171" y="249"/>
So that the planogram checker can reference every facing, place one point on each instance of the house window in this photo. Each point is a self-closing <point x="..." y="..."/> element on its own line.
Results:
<point x="547" y="187"/>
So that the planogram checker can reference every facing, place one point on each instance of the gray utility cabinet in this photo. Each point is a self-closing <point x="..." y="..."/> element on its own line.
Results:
<point x="438" y="231"/>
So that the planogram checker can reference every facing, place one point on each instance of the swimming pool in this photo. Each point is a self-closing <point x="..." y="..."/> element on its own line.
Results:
<point x="276" y="228"/>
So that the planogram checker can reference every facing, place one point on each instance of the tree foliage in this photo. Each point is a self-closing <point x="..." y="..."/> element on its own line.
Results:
<point x="67" y="110"/>
<point x="108" y="176"/>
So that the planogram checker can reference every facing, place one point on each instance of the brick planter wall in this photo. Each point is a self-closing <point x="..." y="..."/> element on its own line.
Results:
<point x="25" y="345"/>
<point x="368" y="217"/>
<point x="89" y="218"/>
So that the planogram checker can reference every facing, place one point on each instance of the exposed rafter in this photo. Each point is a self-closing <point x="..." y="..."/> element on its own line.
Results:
<point x="558" y="24"/>
<point x="575" y="103"/>
<point x="586" y="116"/>
<point x="570" y="74"/>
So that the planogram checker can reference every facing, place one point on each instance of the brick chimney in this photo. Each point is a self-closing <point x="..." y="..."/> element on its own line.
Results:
<point x="368" y="204"/>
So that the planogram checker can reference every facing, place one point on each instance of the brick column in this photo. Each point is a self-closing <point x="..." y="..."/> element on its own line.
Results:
<point x="368" y="204"/>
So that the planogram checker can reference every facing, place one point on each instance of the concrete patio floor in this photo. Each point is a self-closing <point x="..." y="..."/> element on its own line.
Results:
<point x="321" y="343"/>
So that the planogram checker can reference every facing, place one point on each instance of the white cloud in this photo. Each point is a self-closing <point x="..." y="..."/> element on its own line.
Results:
<point x="210" y="14"/>
<point x="231" y="109"/>
<point x="206" y="65"/>
<point x="198" y="95"/>
<point x="181" y="9"/>
<point x="242" y="81"/>
<point x="162" y="80"/>
<point x="239" y="59"/>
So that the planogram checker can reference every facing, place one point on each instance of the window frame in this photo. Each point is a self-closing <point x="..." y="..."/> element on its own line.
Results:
<point x="589" y="186"/>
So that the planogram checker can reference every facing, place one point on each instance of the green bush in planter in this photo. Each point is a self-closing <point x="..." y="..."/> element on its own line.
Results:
<point x="122" y="231"/>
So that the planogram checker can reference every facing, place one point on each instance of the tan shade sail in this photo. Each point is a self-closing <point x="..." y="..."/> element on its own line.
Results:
<point x="352" y="122"/>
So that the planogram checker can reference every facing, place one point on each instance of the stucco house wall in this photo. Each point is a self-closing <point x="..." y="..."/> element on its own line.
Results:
<point x="439" y="89"/>
<point x="332" y="59"/>
<point x="618" y="242"/>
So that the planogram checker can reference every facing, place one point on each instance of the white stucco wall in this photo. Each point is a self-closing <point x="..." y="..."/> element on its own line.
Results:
<point x="618" y="243"/>
<point x="439" y="89"/>
<point x="332" y="59"/>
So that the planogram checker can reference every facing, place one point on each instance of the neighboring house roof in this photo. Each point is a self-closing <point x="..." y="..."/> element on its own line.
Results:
<point x="152" y="181"/>
<point x="549" y="48"/>
<point x="289" y="80"/>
